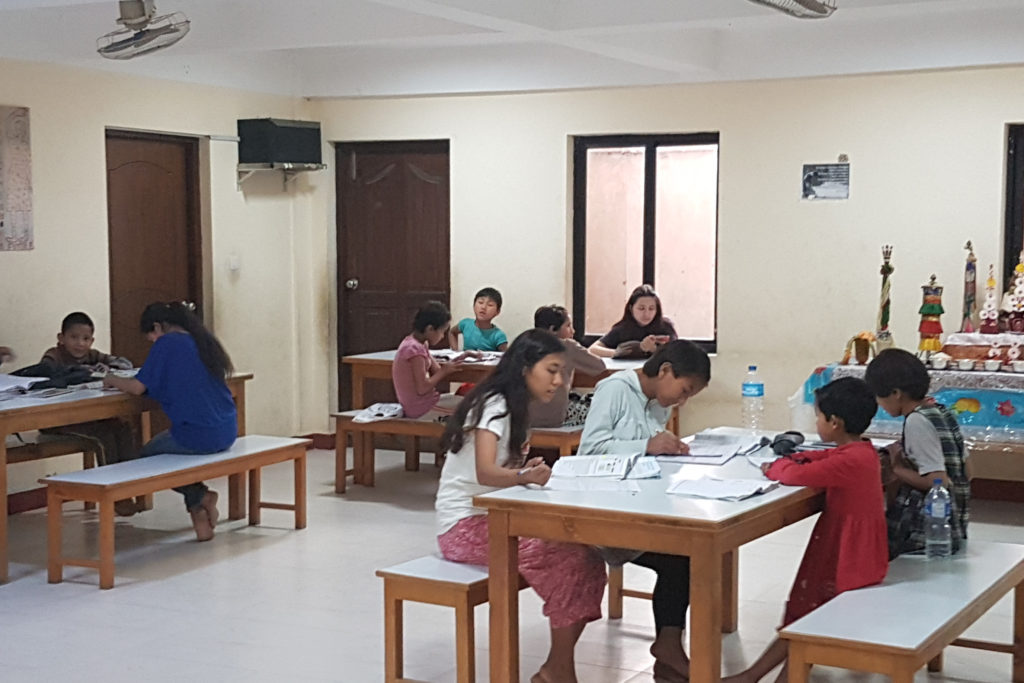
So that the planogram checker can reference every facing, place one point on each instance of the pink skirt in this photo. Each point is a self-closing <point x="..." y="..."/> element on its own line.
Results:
<point x="569" y="578"/>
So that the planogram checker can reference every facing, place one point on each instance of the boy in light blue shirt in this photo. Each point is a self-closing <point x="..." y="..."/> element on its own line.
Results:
<point x="480" y="334"/>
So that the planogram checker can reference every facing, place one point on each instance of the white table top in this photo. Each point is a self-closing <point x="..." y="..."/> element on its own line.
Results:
<point x="899" y="615"/>
<point x="33" y="400"/>
<point x="611" y="364"/>
<point x="652" y="499"/>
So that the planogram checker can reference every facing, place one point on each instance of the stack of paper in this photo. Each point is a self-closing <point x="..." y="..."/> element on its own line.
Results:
<point x="613" y="466"/>
<point x="720" y="489"/>
<point x="13" y="382"/>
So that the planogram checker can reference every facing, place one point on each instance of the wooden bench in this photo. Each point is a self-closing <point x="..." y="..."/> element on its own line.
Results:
<point x="922" y="607"/>
<point x="564" y="439"/>
<point x="104" y="485"/>
<point x="436" y="581"/>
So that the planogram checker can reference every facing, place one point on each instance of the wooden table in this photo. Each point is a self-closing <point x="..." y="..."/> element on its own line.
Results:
<point x="710" y="532"/>
<point x="29" y="413"/>
<point x="377" y="365"/>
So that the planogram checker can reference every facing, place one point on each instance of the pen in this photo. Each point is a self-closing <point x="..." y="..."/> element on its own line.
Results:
<point x="629" y="466"/>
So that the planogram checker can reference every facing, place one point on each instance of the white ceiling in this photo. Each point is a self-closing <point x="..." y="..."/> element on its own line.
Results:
<point x="352" y="48"/>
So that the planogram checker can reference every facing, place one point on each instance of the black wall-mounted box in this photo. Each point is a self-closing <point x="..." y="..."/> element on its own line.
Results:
<point x="271" y="141"/>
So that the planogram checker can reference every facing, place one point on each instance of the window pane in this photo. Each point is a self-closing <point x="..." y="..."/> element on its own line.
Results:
<point x="615" y="228"/>
<point x="685" y="242"/>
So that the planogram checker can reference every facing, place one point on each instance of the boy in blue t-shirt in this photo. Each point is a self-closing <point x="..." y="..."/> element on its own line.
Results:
<point x="480" y="334"/>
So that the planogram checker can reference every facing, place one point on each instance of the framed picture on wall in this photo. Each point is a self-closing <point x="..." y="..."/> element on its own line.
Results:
<point x="16" y="233"/>
<point x="826" y="181"/>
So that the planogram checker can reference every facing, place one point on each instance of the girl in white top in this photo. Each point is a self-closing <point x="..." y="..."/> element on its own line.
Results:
<point x="487" y="451"/>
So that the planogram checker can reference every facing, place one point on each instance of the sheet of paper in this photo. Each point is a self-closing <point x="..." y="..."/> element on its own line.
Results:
<point x="696" y="459"/>
<point x="709" y="444"/>
<point x="591" y="484"/>
<point x="645" y="467"/>
<point x="8" y="382"/>
<point x="592" y="466"/>
<point x="720" y="489"/>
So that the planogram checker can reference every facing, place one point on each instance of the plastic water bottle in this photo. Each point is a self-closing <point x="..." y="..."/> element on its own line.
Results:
<point x="753" y="399"/>
<point x="938" y="538"/>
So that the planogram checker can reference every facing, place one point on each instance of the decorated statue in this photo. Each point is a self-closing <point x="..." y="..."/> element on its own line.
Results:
<point x="883" y="337"/>
<point x="989" y="309"/>
<point x="1015" y="323"/>
<point x="931" y="319"/>
<point x="970" y="289"/>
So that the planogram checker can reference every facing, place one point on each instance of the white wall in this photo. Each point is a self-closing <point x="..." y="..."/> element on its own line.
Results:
<point x="796" y="278"/>
<point x="260" y="312"/>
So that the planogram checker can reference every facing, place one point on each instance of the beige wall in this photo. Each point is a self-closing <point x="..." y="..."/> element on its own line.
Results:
<point x="796" y="278"/>
<point x="262" y="312"/>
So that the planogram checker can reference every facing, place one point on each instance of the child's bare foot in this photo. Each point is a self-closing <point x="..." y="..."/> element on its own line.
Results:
<point x="201" y="523"/>
<point x="670" y="663"/>
<point x="547" y="675"/>
<point x="209" y="502"/>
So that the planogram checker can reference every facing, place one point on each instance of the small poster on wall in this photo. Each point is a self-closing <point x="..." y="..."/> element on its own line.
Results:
<point x="16" y="233"/>
<point x="826" y="181"/>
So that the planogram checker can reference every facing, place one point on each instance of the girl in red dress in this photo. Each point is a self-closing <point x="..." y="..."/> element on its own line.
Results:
<point x="848" y="548"/>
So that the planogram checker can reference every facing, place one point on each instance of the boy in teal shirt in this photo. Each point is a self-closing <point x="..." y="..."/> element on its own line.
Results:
<point x="480" y="334"/>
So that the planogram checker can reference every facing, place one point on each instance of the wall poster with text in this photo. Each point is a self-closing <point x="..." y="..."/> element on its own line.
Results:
<point x="16" y="233"/>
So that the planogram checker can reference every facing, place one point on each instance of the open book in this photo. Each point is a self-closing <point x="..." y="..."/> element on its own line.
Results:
<point x="636" y="466"/>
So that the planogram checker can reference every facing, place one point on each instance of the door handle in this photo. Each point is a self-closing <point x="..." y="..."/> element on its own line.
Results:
<point x="352" y="283"/>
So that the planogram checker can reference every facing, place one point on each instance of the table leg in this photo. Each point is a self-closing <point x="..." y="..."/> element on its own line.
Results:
<point x="145" y="501"/>
<point x="236" y="484"/>
<point x="393" y="645"/>
<point x="341" y="458"/>
<point x="3" y="508"/>
<point x="1018" y="633"/>
<point x="106" y="543"/>
<point x="254" y="496"/>
<point x="730" y="591"/>
<point x="300" y="491"/>
<point x="503" y="594"/>
<point x="799" y="669"/>
<point x="705" y="614"/>
<point x="54" y="563"/>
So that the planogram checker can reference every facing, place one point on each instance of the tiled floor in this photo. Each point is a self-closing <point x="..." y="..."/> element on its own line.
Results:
<point x="274" y="604"/>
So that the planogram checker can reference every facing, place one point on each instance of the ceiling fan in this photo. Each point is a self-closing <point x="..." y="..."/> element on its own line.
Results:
<point x="802" y="9"/>
<point x="142" y="31"/>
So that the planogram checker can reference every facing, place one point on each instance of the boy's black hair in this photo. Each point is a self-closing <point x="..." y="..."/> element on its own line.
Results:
<point x="490" y="293"/>
<point x="851" y="400"/>
<point x="894" y="369"/>
<point x="550" y="318"/>
<point x="431" y="314"/>
<point x="685" y="358"/>
<point x="76" y="318"/>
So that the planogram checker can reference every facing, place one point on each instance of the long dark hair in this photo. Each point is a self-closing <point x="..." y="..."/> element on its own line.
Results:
<point x="684" y="357"/>
<point x="211" y="353"/>
<point x="509" y="381"/>
<point x="627" y="318"/>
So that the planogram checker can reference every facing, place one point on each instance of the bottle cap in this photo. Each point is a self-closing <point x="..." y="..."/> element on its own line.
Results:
<point x="937" y="482"/>
<point x="751" y="367"/>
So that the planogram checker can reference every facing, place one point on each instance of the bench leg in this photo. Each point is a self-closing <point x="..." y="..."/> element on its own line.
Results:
<point x="935" y="663"/>
<point x="300" y="491"/>
<point x="54" y="562"/>
<point x="341" y="459"/>
<point x="412" y="454"/>
<point x="236" y="496"/>
<point x="614" y="592"/>
<point x="359" y="458"/>
<point x="465" y="649"/>
<point x="254" y="496"/>
<point x="392" y="636"/>
<point x="1018" y="633"/>
<point x="799" y="669"/>
<point x="106" y="543"/>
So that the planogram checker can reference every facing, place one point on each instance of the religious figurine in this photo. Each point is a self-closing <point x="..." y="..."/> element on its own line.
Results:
<point x="989" y="310"/>
<point x="931" y="319"/>
<point x="883" y="337"/>
<point x="970" y="289"/>
<point x="1015" y="323"/>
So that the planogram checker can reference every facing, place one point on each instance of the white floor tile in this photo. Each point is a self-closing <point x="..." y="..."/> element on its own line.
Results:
<point x="271" y="603"/>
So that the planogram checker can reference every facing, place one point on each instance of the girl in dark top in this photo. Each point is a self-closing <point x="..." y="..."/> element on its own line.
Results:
<point x="186" y="372"/>
<point x="640" y="331"/>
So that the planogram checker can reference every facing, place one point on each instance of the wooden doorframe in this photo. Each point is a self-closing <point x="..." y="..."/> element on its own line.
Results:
<point x="196" y="262"/>
<point x="341" y="148"/>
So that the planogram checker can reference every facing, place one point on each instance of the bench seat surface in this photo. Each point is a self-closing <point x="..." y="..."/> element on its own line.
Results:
<point x="916" y="599"/>
<point x="143" y="468"/>
<point x="434" y="568"/>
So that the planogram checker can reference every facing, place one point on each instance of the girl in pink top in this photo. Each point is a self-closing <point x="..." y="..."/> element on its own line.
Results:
<point x="414" y="372"/>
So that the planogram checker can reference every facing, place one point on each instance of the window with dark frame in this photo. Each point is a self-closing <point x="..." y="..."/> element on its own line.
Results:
<point x="645" y="210"/>
<point x="1013" y="235"/>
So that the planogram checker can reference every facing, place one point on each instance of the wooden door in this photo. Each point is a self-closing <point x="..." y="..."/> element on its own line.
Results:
<point x="393" y="245"/>
<point x="153" y="226"/>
